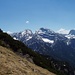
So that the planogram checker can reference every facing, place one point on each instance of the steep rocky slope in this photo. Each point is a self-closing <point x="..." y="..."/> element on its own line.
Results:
<point x="12" y="64"/>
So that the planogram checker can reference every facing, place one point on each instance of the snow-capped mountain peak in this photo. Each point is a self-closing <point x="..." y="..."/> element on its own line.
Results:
<point x="44" y="31"/>
<point x="23" y="35"/>
<point x="26" y="32"/>
<point x="72" y="32"/>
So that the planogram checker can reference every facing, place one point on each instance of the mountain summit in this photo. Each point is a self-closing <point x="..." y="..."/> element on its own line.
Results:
<point x="44" y="30"/>
<point x="72" y="32"/>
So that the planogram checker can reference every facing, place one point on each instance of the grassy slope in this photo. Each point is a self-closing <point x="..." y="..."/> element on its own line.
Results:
<point x="12" y="64"/>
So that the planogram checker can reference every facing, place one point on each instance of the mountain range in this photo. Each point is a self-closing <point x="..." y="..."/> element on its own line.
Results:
<point x="50" y="43"/>
<point x="20" y="49"/>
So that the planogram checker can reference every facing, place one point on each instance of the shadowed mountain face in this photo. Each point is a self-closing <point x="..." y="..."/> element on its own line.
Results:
<point x="50" y="43"/>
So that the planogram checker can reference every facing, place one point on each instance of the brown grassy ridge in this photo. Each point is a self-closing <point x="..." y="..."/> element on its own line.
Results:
<point x="12" y="64"/>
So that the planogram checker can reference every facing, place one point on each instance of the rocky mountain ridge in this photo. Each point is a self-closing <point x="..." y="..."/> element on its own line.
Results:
<point x="48" y="42"/>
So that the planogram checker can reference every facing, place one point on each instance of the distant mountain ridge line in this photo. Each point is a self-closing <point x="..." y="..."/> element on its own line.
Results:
<point x="60" y="31"/>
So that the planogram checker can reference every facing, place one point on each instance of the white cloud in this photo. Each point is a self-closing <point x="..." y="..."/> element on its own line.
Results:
<point x="63" y="31"/>
<point x="27" y="22"/>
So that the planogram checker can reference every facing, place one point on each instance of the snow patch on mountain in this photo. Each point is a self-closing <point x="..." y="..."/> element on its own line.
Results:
<point x="26" y="32"/>
<point x="70" y="36"/>
<point x="67" y="43"/>
<point x="29" y="38"/>
<point x="47" y="40"/>
<point x="15" y="38"/>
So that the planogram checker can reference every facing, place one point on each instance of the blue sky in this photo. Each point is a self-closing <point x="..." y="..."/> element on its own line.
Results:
<point x="18" y="15"/>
